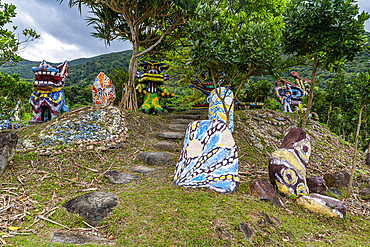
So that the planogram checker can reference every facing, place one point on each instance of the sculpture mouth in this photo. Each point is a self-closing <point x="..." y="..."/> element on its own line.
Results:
<point x="148" y="77"/>
<point x="47" y="76"/>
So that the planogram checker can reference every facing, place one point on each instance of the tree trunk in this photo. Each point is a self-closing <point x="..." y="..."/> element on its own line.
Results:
<point x="327" y="122"/>
<point x="349" y="189"/>
<point x="310" y="96"/>
<point x="129" y="101"/>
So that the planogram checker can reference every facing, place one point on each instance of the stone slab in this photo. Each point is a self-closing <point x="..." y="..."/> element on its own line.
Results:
<point x="178" y="127"/>
<point x="166" y="146"/>
<point x="263" y="191"/>
<point x="117" y="177"/>
<point x="170" y="135"/>
<point x="142" y="169"/>
<point x="77" y="238"/>
<point x="159" y="158"/>
<point x="181" y="121"/>
<point x="93" y="207"/>
<point x="8" y="142"/>
<point x="185" y="116"/>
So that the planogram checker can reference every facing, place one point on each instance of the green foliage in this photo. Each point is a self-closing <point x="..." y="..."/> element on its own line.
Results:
<point x="9" y="44"/>
<point x="12" y="90"/>
<point x="119" y="77"/>
<point x="256" y="91"/>
<point x="331" y="29"/>
<point x="78" y="96"/>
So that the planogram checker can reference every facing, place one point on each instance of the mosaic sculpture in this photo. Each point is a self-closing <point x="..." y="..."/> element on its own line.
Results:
<point x="287" y="172"/>
<point x="216" y="110"/>
<point x="47" y="99"/>
<point x="103" y="91"/>
<point x="209" y="158"/>
<point x="151" y="86"/>
<point x="297" y="90"/>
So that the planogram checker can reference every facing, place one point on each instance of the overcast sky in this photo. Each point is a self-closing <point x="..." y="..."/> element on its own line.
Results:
<point x="64" y="34"/>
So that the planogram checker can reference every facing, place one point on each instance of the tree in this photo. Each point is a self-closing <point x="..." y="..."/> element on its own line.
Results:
<point x="362" y="87"/>
<point x="234" y="45"/>
<point x="9" y="44"/>
<point x="326" y="33"/>
<point x="145" y="23"/>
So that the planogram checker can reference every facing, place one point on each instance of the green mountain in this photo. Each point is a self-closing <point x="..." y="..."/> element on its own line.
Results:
<point x="82" y="71"/>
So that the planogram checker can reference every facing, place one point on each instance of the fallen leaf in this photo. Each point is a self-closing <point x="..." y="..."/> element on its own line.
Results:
<point x="12" y="228"/>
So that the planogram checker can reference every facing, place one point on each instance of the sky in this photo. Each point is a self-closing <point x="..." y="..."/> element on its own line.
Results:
<point x="64" y="33"/>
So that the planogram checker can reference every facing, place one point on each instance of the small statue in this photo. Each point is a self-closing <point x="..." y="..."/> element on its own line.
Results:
<point x="103" y="92"/>
<point x="286" y="99"/>
<point x="47" y="100"/>
<point x="151" y="86"/>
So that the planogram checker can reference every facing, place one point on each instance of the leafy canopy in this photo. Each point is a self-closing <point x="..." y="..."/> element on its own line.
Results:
<point x="9" y="44"/>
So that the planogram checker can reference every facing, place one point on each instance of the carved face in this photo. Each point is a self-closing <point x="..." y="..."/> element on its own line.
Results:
<point x="152" y="72"/>
<point x="47" y="76"/>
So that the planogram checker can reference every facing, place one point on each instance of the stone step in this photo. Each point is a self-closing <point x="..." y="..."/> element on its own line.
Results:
<point x="159" y="158"/>
<point x="170" y="135"/>
<point x="197" y="112"/>
<point x="181" y="121"/>
<point x="184" y="116"/>
<point x="166" y="146"/>
<point x="178" y="127"/>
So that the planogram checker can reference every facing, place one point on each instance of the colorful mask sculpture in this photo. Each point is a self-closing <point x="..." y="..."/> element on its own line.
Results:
<point x="103" y="91"/>
<point x="48" y="100"/>
<point x="151" y="86"/>
<point x="287" y="172"/>
<point x="298" y="90"/>
<point x="216" y="110"/>
<point x="209" y="158"/>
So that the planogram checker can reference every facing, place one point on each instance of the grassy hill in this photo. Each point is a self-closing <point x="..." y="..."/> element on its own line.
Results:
<point x="82" y="71"/>
<point x="154" y="212"/>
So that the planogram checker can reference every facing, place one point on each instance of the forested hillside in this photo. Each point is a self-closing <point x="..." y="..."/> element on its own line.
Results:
<point x="82" y="71"/>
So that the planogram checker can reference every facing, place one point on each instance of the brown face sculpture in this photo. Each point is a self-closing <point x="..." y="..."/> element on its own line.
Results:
<point x="287" y="166"/>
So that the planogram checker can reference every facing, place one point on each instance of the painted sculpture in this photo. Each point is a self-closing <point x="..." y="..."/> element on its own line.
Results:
<point x="216" y="110"/>
<point x="151" y="86"/>
<point x="209" y="158"/>
<point x="103" y="92"/>
<point x="287" y="172"/>
<point x="47" y="99"/>
<point x="297" y="90"/>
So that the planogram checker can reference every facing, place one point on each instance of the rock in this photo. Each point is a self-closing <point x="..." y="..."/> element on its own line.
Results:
<point x="77" y="238"/>
<point x="216" y="109"/>
<point x="160" y="158"/>
<point x="316" y="185"/>
<point x="323" y="205"/>
<point x="184" y="116"/>
<point x="280" y="119"/>
<point x="167" y="146"/>
<point x="247" y="231"/>
<point x="364" y="193"/>
<point x="197" y="112"/>
<point x="117" y="177"/>
<point x="335" y="191"/>
<point x="368" y="158"/>
<point x="178" y="127"/>
<point x="209" y="158"/>
<point x="170" y="135"/>
<point x="181" y="121"/>
<point x="287" y="165"/>
<point x="339" y="179"/>
<point x="142" y="169"/>
<point x="8" y="142"/>
<point x="93" y="207"/>
<point x="264" y="191"/>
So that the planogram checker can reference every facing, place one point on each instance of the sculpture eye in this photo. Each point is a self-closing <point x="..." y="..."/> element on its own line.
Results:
<point x="160" y="69"/>
<point x="145" y="67"/>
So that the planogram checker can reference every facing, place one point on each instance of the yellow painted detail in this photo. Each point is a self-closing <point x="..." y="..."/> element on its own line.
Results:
<point x="47" y="89"/>
<point x="291" y="173"/>
<point x="283" y="188"/>
<point x="315" y="207"/>
<point x="291" y="159"/>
